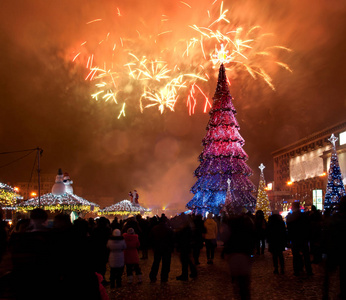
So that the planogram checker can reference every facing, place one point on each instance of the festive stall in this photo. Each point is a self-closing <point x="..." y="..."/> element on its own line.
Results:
<point x="124" y="208"/>
<point x="8" y="200"/>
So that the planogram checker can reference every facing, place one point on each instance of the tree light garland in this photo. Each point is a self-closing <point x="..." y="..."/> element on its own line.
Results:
<point x="223" y="161"/>
<point x="64" y="202"/>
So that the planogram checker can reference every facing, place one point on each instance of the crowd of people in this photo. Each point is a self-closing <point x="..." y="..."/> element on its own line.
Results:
<point x="72" y="258"/>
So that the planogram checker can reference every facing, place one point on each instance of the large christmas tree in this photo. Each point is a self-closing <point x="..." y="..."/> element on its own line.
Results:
<point x="222" y="158"/>
<point x="262" y="202"/>
<point x="335" y="186"/>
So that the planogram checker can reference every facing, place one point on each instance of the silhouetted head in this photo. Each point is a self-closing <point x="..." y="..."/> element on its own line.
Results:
<point x="62" y="221"/>
<point x="81" y="226"/>
<point x="102" y="222"/>
<point x="163" y="218"/>
<point x="199" y="217"/>
<point x="259" y="213"/>
<point x="295" y="206"/>
<point x="22" y="225"/>
<point x="38" y="214"/>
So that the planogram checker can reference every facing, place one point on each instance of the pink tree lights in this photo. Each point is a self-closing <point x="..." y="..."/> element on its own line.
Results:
<point x="222" y="159"/>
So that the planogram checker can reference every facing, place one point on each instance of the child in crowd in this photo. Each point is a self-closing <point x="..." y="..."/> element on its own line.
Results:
<point x="116" y="244"/>
<point x="131" y="255"/>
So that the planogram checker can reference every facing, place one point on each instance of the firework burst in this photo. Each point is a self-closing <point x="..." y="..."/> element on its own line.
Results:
<point x="161" y="66"/>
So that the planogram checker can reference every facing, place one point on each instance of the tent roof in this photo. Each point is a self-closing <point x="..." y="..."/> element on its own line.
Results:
<point x="51" y="199"/>
<point x="124" y="206"/>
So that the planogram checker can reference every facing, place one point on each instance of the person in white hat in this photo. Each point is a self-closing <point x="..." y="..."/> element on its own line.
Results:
<point x="116" y="244"/>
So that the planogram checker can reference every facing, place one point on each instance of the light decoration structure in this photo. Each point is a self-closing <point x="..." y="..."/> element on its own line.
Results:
<point x="335" y="187"/>
<point x="222" y="159"/>
<point x="60" y="199"/>
<point x="63" y="202"/>
<point x="8" y="196"/>
<point x="262" y="202"/>
<point x="124" y="207"/>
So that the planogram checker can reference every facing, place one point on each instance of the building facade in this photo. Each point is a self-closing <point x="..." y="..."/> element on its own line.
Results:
<point x="301" y="169"/>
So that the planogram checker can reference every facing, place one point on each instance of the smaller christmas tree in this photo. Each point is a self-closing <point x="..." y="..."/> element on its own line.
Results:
<point x="231" y="206"/>
<point x="335" y="186"/>
<point x="262" y="202"/>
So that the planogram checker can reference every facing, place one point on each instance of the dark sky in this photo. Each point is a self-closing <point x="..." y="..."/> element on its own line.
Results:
<point x="45" y="101"/>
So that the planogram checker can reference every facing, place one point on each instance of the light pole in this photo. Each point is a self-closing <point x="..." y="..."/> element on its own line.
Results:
<point x="39" y="153"/>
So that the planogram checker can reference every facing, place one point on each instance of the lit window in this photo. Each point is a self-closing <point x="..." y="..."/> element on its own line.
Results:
<point x="342" y="138"/>
<point x="317" y="199"/>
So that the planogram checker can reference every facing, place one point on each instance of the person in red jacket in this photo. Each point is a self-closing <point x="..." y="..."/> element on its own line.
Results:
<point x="131" y="255"/>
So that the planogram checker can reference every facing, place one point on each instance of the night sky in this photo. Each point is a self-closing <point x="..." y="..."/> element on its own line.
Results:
<point x="45" y="101"/>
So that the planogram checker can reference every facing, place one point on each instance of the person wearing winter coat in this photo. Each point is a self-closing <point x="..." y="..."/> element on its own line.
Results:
<point x="161" y="236"/>
<point x="210" y="237"/>
<point x="31" y="257"/>
<point x="99" y="237"/>
<point x="184" y="238"/>
<point x="239" y="238"/>
<point x="131" y="255"/>
<point x="276" y="237"/>
<point x="198" y="239"/>
<point x="260" y="227"/>
<point x="116" y="245"/>
<point x="298" y="234"/>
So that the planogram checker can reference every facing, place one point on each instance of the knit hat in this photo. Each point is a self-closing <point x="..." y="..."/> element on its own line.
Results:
<point x="116" y="232"/>
<point x="130" y="231"/>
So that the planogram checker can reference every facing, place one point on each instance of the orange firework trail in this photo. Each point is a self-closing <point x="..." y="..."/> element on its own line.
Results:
<point x="192" y="98"/>
<point x="165" y="65"/>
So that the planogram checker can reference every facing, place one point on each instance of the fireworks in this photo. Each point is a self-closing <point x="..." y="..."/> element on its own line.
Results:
<point x="158" y="67"/>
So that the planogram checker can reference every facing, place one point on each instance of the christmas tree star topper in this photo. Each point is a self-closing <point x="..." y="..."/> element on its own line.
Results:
<point x="221" y="56"/>
<point x="333" y="139"/>
<point x="261" y="167"/>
